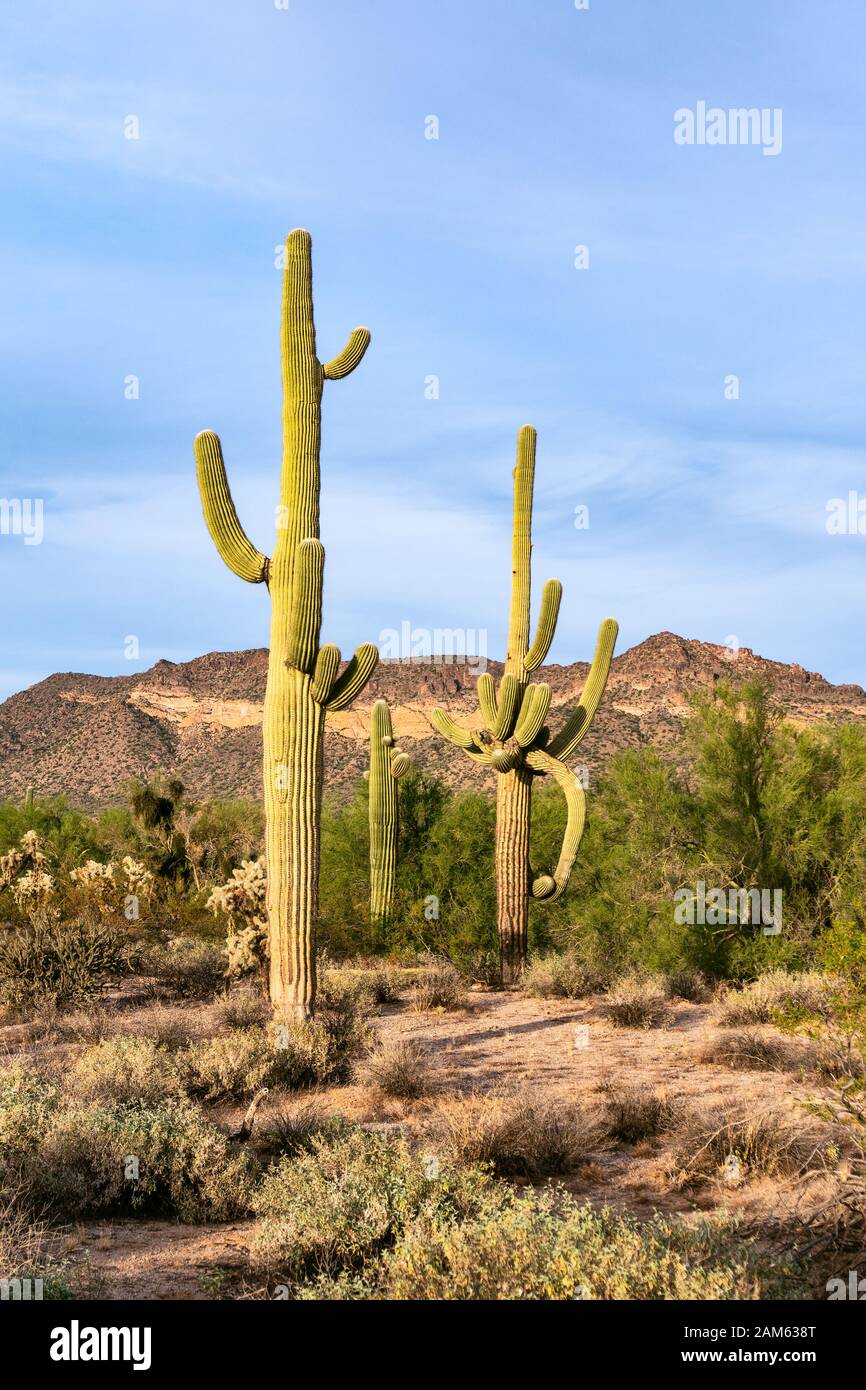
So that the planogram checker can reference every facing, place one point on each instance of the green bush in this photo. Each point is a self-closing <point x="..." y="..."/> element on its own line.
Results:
<point x="126" y="1070"/>
<point x="546" y="1246"/>
<point x="339" y="1204"/>
<point x="73" y="1158"/>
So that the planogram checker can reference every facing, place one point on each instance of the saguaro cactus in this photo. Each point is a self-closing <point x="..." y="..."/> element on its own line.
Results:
<point x="304" y="679"/>
<point x="387" y="765"/>
<point x="515" y="740"/>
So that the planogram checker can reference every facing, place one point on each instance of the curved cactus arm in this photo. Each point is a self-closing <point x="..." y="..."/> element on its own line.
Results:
<point x="347" y="360"/>
<point x="461" y="738"/>
<point x="533" y="712"/>
<point x="400" y="763"/>
<point x="487" y="699"/>
<point x="229" y="537"/>
<point x="547" y="887"/>
<point x="565" y="742"/>
<point x="325" y="672"/>
<point x="305" y="615"/>
<point x="354" y="678"/>
<point x="551" y="597"/>
<point x="507" y="707"/>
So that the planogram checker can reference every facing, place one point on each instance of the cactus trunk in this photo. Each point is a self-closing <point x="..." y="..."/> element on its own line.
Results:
<point x="513" y="803"/>
<point x="303" y="681"/>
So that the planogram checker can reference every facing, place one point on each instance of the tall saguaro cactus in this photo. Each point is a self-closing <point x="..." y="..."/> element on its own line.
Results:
<point x="387" y="765"/>
<point x="304" y="679"/>
<point x="516" y="741"/>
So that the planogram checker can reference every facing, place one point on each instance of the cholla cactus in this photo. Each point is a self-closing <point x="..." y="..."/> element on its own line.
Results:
<point x="244" y="901"/>
<point x="387" y="765"/>
<point x="97" y="884"/>
<point x="304" y="679"/>
<point x="34" y="893"/>
<point x="516" y="741"/>
<point x="29" y="856"/>
<point x="137" y="878"/>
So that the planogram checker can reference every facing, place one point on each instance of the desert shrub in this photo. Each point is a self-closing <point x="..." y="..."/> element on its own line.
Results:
<point x="633" y="1114"/>
<point x="241" y="1009"/>
<point x="400" y="1069"/>
<point x="128" y="1070"/>
<point x="319" y="1052"/>
<point x="638" y="1001"/>
<point x="778" y="993"/>
<point x="737" y="1145"/>
<point x="440" y="987"/>
<point x="558" y="975"/>
<point x="547" y="1246"/>
<point x="520" y="1135"/>
<point x="287" y="1131"/>
<point x="689" y="984"/>
<point x="72" y="1158"/>
<point x="338" y="1204"/>
<point x="185" y="968"/>
<point x="23" y="1253"/>
<point x="61" y="962"/>
<point x="749" y="1050"/>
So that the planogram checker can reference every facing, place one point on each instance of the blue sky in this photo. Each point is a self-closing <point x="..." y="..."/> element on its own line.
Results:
<point x="155" y="257"/>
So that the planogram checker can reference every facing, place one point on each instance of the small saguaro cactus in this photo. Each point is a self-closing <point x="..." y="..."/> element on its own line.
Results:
<point x="516" y="741"/>
<point x="304" y="678"/>
<point x="387" y="765"/>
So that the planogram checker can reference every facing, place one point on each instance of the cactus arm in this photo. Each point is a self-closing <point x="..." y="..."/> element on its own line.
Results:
<point x="565" y="742"/>
<point x="533" y="712"/>
<point x="400" y="763"/>
<point x="347" y="360"/>
<point x="229" y="537"/>
<point x="354" y="678"/>
<point x="546" y="887"/>
<point x="551" y="597"/>
<point x="325" y="673"/>
<point x="507" y="707"/>
<point x="444" y="724"/>
<point x="306" y="605"/>
<point x="487" y="699"/>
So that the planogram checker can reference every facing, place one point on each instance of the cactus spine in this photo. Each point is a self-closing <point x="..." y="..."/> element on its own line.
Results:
<point x="387" y="766"/>
<point x="303" y="678"/>
<point x="515" y="740"/>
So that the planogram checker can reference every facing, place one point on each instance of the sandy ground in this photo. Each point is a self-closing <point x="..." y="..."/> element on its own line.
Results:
<point x="563" y="1049"/>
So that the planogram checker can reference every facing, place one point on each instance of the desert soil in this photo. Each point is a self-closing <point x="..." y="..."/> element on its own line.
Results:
<point x="563" y="1049"/>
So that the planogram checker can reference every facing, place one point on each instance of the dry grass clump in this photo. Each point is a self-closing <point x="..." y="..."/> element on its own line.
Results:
<point x="521" y="1135"/>
<point x="749" y="1050"/>
<point x="558" y="975"/>
<point x="638" y="1001"/>
<point x="778" y="992"/>
<point x="292" y="1130"/>
<point x="242" y="1008"/>
<point x="185" y="969"/>
<point x="741" y="1144"/>
<point x="634" y="1114"/>
<point x="440" y="987"/>
<point x="400" y="1069"/>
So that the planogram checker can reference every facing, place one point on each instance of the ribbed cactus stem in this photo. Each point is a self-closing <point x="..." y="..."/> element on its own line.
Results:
<point x="387" y="765"/>
<point x="303" y="678"/>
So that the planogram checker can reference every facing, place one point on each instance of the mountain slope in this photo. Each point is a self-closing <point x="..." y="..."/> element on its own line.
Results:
<point x="87" y="736"/>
